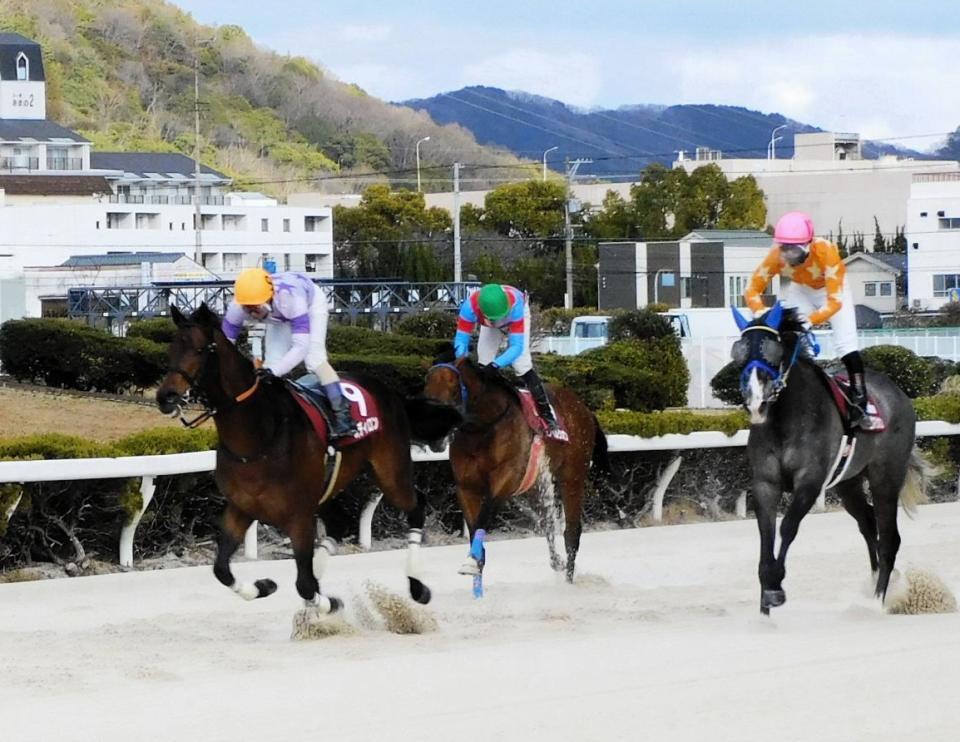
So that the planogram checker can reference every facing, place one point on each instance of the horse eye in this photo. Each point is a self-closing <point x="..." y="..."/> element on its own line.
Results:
<point x="772" y="351"/>
<point x="740" y="352"/>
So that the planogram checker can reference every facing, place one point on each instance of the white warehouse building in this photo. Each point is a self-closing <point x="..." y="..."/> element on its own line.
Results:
<point x="60" y="200"/>
<point x="933" y="240"/>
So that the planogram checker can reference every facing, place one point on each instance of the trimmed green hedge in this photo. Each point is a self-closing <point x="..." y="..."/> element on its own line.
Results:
<point x="915" y="375"/>
<point x="433" y="325"/>
<point x="158" y="329"/>
<point x="359" y="341"/>
<point x="642" y="375"/>
<point x="63" y="353"/>
<point x="650" y="424"/>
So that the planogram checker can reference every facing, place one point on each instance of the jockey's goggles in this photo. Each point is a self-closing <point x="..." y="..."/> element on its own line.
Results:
<point x="795" y="254"/>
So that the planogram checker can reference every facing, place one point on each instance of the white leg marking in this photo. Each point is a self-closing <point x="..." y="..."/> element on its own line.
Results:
<point x="414" y="539"/>
<point x="246" y="590"/>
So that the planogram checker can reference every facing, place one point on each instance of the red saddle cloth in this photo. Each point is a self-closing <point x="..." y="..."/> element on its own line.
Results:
<point x="536" y="423"/>
<point x="363" y="409"/>
<point x="873" y="421"/>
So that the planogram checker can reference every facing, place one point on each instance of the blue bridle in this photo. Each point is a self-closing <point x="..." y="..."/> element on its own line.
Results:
<point x="453" y="367"/>
<point x="778" y="378"/>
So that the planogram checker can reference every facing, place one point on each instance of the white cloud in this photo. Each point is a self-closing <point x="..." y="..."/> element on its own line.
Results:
<point x="570" y="77"/>
<point x="879" y="85"/>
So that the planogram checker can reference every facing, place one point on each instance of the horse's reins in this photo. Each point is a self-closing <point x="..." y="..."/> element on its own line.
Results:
<point x="778" y="377"/>
<point x="463" y="397"/>
<point x="195" y="393"/>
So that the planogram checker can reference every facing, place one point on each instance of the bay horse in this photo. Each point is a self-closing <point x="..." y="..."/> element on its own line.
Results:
<point x="490" y="453"/>
<point x="796" y="430"/>
<point x="272" y="464"/>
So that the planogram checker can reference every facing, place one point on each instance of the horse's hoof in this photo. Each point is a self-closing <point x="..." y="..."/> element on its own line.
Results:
<point x="335" y="604"/>
<point x="765" y="610"/>
<point x="772" y="599"/>
<point x="470" y="567"/>
<point x="418" y="591"/>
<point x="265" y="588"/>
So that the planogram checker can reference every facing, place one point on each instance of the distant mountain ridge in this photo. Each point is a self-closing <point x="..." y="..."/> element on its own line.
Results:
<point x="621" y="141"/>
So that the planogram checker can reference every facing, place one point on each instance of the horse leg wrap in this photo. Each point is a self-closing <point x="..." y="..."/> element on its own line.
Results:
<point x="321" y="557"/>
<point x="323" y="604"/>
<point x="477" y="556"/>
<point x="418" y="591"/>
<point x="259" y="589"/>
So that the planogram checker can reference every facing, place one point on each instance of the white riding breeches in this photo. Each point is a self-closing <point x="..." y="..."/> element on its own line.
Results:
<point x="807" y="300"/>
<point x="491" y="338"/>
<point x="278" y="337"/>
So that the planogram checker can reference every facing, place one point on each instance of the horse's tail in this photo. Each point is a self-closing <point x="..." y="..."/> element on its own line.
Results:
<point x="600" y="459"/>
<point x="913" y="492"/>
<point x="430" y="422"/>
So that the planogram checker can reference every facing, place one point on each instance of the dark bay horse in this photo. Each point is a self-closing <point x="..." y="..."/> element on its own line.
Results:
<point x="271" y="464"/>
<point x="490" y="454"/>
<point x="795" y="437"/>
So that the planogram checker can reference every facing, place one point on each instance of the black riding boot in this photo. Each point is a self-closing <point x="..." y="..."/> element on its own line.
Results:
<point x="534" y="383"/>
<point x="858" y="388"/>
<point x="341" y="423"/>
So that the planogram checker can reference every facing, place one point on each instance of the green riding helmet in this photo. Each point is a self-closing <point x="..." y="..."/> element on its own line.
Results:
<point x="494" y="302"/>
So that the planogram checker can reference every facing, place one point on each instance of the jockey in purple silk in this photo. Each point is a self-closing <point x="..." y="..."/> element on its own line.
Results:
<point x="295" y="312"/>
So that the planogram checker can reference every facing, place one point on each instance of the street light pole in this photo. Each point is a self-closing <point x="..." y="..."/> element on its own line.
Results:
<point x="545" y="162"/>
<point x="773" y="141"/>
<point x="425" y="139"/>
<point x="457" y="268"/>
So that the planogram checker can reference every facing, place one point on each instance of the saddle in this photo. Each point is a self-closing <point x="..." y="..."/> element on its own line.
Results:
<point x="536" y="423"/>
<point x="839" y="386"/>
<point x="313" y="401"/>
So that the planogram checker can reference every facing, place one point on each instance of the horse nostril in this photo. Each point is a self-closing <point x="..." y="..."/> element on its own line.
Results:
<point x="167" y="400"/>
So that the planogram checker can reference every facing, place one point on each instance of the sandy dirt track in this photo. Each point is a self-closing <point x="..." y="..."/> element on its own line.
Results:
<point x="659" y="639"/>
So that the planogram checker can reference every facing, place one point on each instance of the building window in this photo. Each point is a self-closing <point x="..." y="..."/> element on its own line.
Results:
<point x="232" y="262"/>
<point x="736" y="286"/>
<point x="886" y="288"/>
<point x="923" y="213"/>
<point x="286" y="261"/>
<point x="311" y="263"/>
<point x="949" y="222"/>
<point x="944" y="283"/>
<point x="115" y="220"/>
<point x="23" y="67"/>
<point x="684" y="287"/>
<point x="310" y="223"/>
<point x="264" y="225"/>
<point x="870" y="289"/>
<point x="286" y="225"/>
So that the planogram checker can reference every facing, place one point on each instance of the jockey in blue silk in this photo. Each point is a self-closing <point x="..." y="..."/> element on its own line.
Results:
<point x="295" y="312"/>
<point x="503" y="313"/>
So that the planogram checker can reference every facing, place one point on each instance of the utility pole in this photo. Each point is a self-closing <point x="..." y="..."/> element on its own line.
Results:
<point x="457" y="271"/>
<point x="568" y="204"/>
<point x="198" y="245"/>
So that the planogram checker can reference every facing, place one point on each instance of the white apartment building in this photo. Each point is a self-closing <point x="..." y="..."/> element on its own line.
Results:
<point x="60" y="200"/>
<point x="828" y="178"/>
<point x="933" y="240"/>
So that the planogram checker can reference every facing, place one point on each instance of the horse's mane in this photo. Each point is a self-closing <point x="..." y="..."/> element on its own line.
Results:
<point x="791" y="330"/>
<point x="496" y="380"/>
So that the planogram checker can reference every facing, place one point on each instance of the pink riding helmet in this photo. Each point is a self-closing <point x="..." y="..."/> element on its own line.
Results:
<point x="794" y="228"/>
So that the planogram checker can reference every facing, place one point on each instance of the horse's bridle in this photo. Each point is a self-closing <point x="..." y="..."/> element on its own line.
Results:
<point x="778" y="377"/>
<point x="194" y="393"/>
<point x="462" y="407"/>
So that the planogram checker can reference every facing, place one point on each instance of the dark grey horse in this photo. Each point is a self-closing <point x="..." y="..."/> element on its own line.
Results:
<point x="795" y="437"/>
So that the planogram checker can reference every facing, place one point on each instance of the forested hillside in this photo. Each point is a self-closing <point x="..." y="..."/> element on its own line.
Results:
<point x="122" y="73"/>
<point x="621" y="142"/>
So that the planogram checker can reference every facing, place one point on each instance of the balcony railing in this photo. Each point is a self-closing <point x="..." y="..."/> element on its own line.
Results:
<point x="12" y="164"/>
<point x="130" y="198"/>
<point x="64" y="163"/>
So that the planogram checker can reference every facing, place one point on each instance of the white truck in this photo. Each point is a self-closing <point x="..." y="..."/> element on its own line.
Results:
<point x="590" y="331"/>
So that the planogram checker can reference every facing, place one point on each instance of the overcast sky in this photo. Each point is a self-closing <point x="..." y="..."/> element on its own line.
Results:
<point x="887" y="70"/>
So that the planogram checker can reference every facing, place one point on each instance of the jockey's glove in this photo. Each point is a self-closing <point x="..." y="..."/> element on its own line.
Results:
<point x="264" y="372"/>
<point x="460" y="350"/>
